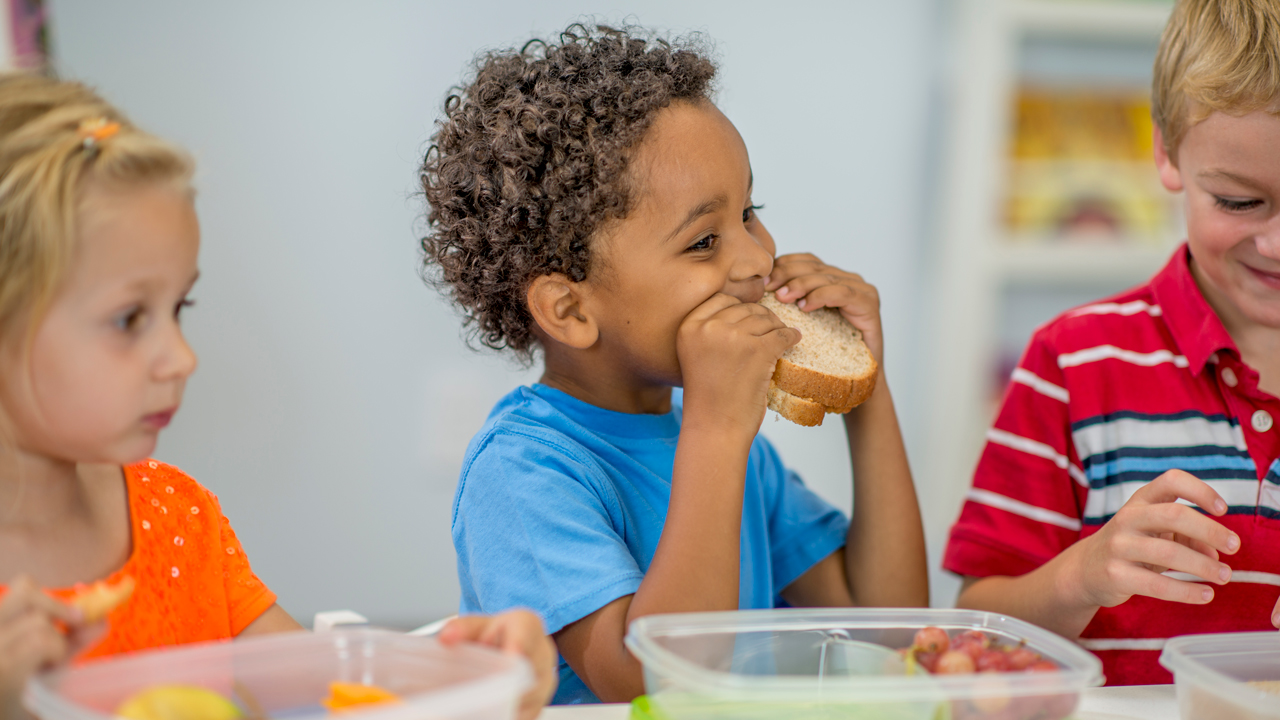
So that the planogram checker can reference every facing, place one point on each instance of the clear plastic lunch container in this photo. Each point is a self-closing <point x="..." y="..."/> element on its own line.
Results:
<point x="287" y="675"/>
<point x="844" y="663"/>
<point x="1226" y="676"/>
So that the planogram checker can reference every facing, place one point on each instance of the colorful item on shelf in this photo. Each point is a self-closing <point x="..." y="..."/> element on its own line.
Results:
<point x="1080" y="166"/>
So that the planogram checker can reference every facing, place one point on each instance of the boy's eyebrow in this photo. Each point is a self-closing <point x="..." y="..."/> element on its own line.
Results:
<point x="704" y="208"/>
<point x="1225" y="175"/>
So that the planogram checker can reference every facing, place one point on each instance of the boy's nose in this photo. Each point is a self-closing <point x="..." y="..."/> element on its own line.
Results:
<point x="1268" y="241"/>
<point x="752" y="266"/>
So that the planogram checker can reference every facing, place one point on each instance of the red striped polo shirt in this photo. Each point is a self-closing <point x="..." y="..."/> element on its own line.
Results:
<point x="1106" y="398"/>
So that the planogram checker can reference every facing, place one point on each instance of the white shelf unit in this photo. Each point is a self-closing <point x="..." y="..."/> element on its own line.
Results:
<point x="975" y="260"/>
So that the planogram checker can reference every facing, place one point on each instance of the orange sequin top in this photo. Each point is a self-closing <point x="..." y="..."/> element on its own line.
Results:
<point x="193" y="579"/>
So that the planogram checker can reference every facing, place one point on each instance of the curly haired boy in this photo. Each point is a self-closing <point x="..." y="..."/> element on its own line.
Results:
<point x="590" y="203"/>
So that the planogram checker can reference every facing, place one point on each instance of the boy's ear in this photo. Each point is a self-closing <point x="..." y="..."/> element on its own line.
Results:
<point x="1170" y="175"/>
<point x="555" y="302"/>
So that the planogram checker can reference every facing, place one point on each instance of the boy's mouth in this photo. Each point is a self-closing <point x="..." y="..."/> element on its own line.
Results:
<point x="1270" y="279"/>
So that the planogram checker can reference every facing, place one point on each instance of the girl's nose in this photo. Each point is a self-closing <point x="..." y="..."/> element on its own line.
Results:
<point x="179" y="359"/>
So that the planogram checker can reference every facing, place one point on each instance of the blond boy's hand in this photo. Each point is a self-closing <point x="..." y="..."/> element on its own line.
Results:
<point x="518" y="632"/>
<point x="31" y="639"/>
<point x="1150" y="534"/>
<point x="727" y="351"/>
<point x="808" y="282"/>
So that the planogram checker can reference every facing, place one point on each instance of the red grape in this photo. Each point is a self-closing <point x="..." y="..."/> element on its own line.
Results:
<point x="955" y="663"/>
<point x="932" y="639"/>
<point x="992" y="660"/>
<point x="928" y="660"/>
<point x="1022" y="658"/>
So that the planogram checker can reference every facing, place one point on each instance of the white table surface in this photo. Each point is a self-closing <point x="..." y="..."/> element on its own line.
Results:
<point x="1135" y="702"/>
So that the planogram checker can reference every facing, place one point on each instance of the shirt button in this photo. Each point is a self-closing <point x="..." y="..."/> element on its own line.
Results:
<point x="1229" y="377"/>
<point x="1261" y="421"/>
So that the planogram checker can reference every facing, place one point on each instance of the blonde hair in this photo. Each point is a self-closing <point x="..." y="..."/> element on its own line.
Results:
<point x="46" y="158"/>
<point x="1215" y="55"/>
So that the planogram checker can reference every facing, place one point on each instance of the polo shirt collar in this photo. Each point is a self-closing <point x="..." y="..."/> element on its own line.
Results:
<point x="1196" y="328"/>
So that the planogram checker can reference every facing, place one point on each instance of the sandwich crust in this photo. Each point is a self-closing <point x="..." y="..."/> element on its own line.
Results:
<point x="796" y="409"/>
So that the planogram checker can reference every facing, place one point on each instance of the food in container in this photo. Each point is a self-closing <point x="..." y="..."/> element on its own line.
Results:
<point x="840" y="663"/>
<point x="288" y="676"/>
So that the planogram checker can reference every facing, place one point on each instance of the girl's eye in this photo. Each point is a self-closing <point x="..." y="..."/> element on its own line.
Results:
<point x="703" y="244"/>
<point x="1235" y="205"/>
<point x="184" y="303"/>
<point x="129" y="319"/>
<point x="750" y="213"/>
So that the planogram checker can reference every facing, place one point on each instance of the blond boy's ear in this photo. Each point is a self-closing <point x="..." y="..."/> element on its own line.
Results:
<point x="1170" y="175"/>
<point x="555" y="302"/>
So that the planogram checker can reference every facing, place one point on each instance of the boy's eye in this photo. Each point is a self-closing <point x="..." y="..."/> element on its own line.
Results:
<point x="703" y="244"/>
<point x="1235" y="204"/>
<point x="184" y="303"/>
<point x="750" y="213"/>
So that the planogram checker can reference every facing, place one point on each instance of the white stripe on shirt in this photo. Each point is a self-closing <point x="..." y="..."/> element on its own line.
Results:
<point x="1017" y="507"/>
<point x="1129" y="308"/>
<point x="1039" y="384"/>
<point x="1254" y="577"/>
<point x="1039" y="449"/>
<point x="1107" y="352"/>
<point x="1106" y="501"/>
<point x="1128" y="432"/>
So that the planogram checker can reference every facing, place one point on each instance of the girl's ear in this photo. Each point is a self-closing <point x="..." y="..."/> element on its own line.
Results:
<point x="1170" y="176"/>
<point x="556" y="304"/>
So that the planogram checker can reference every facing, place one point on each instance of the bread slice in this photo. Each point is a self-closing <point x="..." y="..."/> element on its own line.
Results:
<point x="796" y="409"/>
<point x="830" y="366"/>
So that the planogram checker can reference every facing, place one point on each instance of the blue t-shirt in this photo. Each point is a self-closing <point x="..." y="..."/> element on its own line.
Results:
<point x="560" y="506"/>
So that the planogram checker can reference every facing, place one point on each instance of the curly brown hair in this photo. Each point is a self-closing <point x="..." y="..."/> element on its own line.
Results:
<point x="531" y="159"/>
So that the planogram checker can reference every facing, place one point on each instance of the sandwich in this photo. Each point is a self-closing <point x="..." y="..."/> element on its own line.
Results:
<point x="830" y="370"/>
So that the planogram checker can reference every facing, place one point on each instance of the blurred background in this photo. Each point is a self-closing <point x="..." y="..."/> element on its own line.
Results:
<point x="986" y="163"/>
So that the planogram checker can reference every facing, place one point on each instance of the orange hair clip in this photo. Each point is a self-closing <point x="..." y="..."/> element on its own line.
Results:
<point x="96" y="130"/>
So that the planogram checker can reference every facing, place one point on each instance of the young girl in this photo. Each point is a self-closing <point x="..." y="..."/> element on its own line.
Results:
<point x="98" y="244"/>
<point x="588" y="200"/>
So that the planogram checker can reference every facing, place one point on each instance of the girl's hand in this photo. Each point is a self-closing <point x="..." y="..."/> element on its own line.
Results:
<point x="808" y="282"/>
<point x="1153" y="533"/>
<point x="31" y="639"/>
<point x="727" y="350"/>
<point x="519" y="632"/>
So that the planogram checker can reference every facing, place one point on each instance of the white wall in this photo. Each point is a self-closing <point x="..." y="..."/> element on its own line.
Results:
<point x="334" y="397"/>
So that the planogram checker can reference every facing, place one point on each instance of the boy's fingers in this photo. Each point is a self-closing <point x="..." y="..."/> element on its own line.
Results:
<point x="779" y="339"/>
<point x="1176" y="484"/>
<point x="858" y="299"/>
<point x="1138" y="581"/>
<point x="1184" y="521"/>
<point x="1275" y="614"/>
<point x="800" y="287"/>
<point x="713" y="305"/>
<point x="1175" y="556"/>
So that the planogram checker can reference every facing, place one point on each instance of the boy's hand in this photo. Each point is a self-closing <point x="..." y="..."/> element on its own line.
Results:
<point x="727" y="351"/>
<point x="519" y="632"/>
<point x="808" y="282"/>
<point x="1153" y="533"/>
<point x="31" y="639"/>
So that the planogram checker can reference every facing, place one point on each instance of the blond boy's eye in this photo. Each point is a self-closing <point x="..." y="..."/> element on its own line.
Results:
<point x="1236" y="204"/>
<point x="749" y="214"/>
